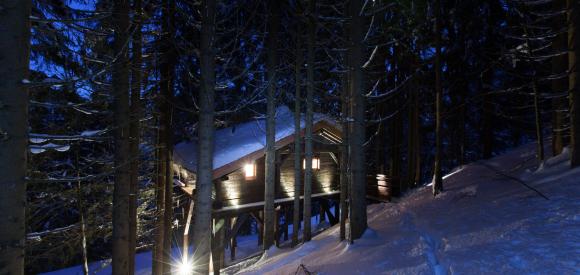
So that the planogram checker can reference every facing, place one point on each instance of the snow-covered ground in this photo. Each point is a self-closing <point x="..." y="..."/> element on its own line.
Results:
<point x="484" y="223"/>
<point x="247" y="248"/>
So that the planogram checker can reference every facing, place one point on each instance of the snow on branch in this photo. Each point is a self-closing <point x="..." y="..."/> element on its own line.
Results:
<point x="392" y="91"/>
<point x="37" y="236"/>
<point x="373" y="54"/>
<point x="85" y="136"/>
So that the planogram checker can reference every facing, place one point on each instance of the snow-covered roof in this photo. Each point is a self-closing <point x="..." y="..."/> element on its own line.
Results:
<point x="238" y="141"/>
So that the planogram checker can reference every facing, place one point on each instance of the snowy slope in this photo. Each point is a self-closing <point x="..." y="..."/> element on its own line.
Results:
<point x="247" y="246"/>
<point x="484" y="223"/>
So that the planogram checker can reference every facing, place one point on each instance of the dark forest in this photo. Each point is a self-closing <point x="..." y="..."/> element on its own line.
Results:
<point x="155" y="126"/>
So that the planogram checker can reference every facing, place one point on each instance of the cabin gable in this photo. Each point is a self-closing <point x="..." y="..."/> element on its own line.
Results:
<point x="234" y="190"/>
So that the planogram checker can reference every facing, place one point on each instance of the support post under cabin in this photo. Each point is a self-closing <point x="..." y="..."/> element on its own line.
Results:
<point x="259" y="224"/>
<point x="228" y="232"/>
<point x="321" y="211"/>
<point x="237" y="223"/>
<point x="277" y="227"/>
<point x="287" y="218"/>
<point x="332" y="220"/>
<point x="217" y="245"/>
<point x="232" y="240"/>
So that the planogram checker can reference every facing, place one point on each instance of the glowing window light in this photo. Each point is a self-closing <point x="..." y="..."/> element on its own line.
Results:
<point x="315" y="163"/>
<point x="250" y="171"/>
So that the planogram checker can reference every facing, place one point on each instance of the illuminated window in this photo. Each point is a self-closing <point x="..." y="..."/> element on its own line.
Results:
<point x="315" y="163"/>
<point x="250" y="171"/>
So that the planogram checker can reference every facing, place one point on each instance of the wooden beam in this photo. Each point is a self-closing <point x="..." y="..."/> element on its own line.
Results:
<point x="228" y="228"/>
<point x="334" y="158"/>
<point x="277" y="227"/>
<point x="239" y="221"/>
<point x="217" y="245"/>
<point x="257" y="217"/>
<point x="331" y="218"/>
<point x="260" y="222"/>
<point x="244" y="208"/>
<point x="287" y="218"/>
<point x="235" y="221"/>
<point x="233" y="246"/>
<point x="321" y="211"/>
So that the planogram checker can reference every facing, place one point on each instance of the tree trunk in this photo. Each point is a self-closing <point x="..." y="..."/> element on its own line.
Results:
<point x="461" y="95"/>
<point x="574" y="84"/>
<point x="168" y="214"/>
<point x="344" y="148"/>
<point x="202" y="223"/>
<point x="537" y="107"/>
<point x="167" y="68"/>
<point x="358" y="209"/>
<point x="437" y="177"/>
<point x="486" y="138"/>
<point x="396" y="130"/>
<point x="297" y="140"/>
<point x="82" y="221"/>
<point x="559" y="85"/>
<point x="417" y="140"/>
<point x="157" y="265"/>
<point x="134" y="131"/>
<point x="120" y="87"/>
<point x="270" y="174"/>
<point x="395" y="144"/>
<point x="344" y="157"/>
<point x="15" y="47"/>
<point x="539" y="128"/>
<point x="307" y="235"/>
<point x="412" y="137"/>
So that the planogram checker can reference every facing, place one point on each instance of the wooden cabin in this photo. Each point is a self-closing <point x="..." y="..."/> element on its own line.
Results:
<point x="239" y="163"/>
<point x="238" y="175"/>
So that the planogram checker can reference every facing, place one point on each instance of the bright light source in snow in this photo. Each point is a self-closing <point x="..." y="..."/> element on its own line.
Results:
<point x="250" y="170"/>
<point x="315" y="163"/>
<point x="185" y="268"/>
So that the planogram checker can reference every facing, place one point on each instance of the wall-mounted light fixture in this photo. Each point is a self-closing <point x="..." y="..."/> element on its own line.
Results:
<point x="250" y="171"/>
<point x="315" y="163"/>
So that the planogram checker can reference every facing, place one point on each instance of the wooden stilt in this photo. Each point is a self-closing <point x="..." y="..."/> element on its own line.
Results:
<point x="287" y="218"/>
<point x="321" y="211"/>
<point x="301" y="217"/>
<point x="237" y="223"/>
<point x="228" y="232"/>
<point x="277" y="227"/>
<point x="233" y="246"/>
<point x="336" y="208"/>
<point x="331" y="218"/>
<point x="261" y="237"/>
<point x="260" y="223"/>
<point x="217" y="245"/>
<point x="231" y="237"/>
